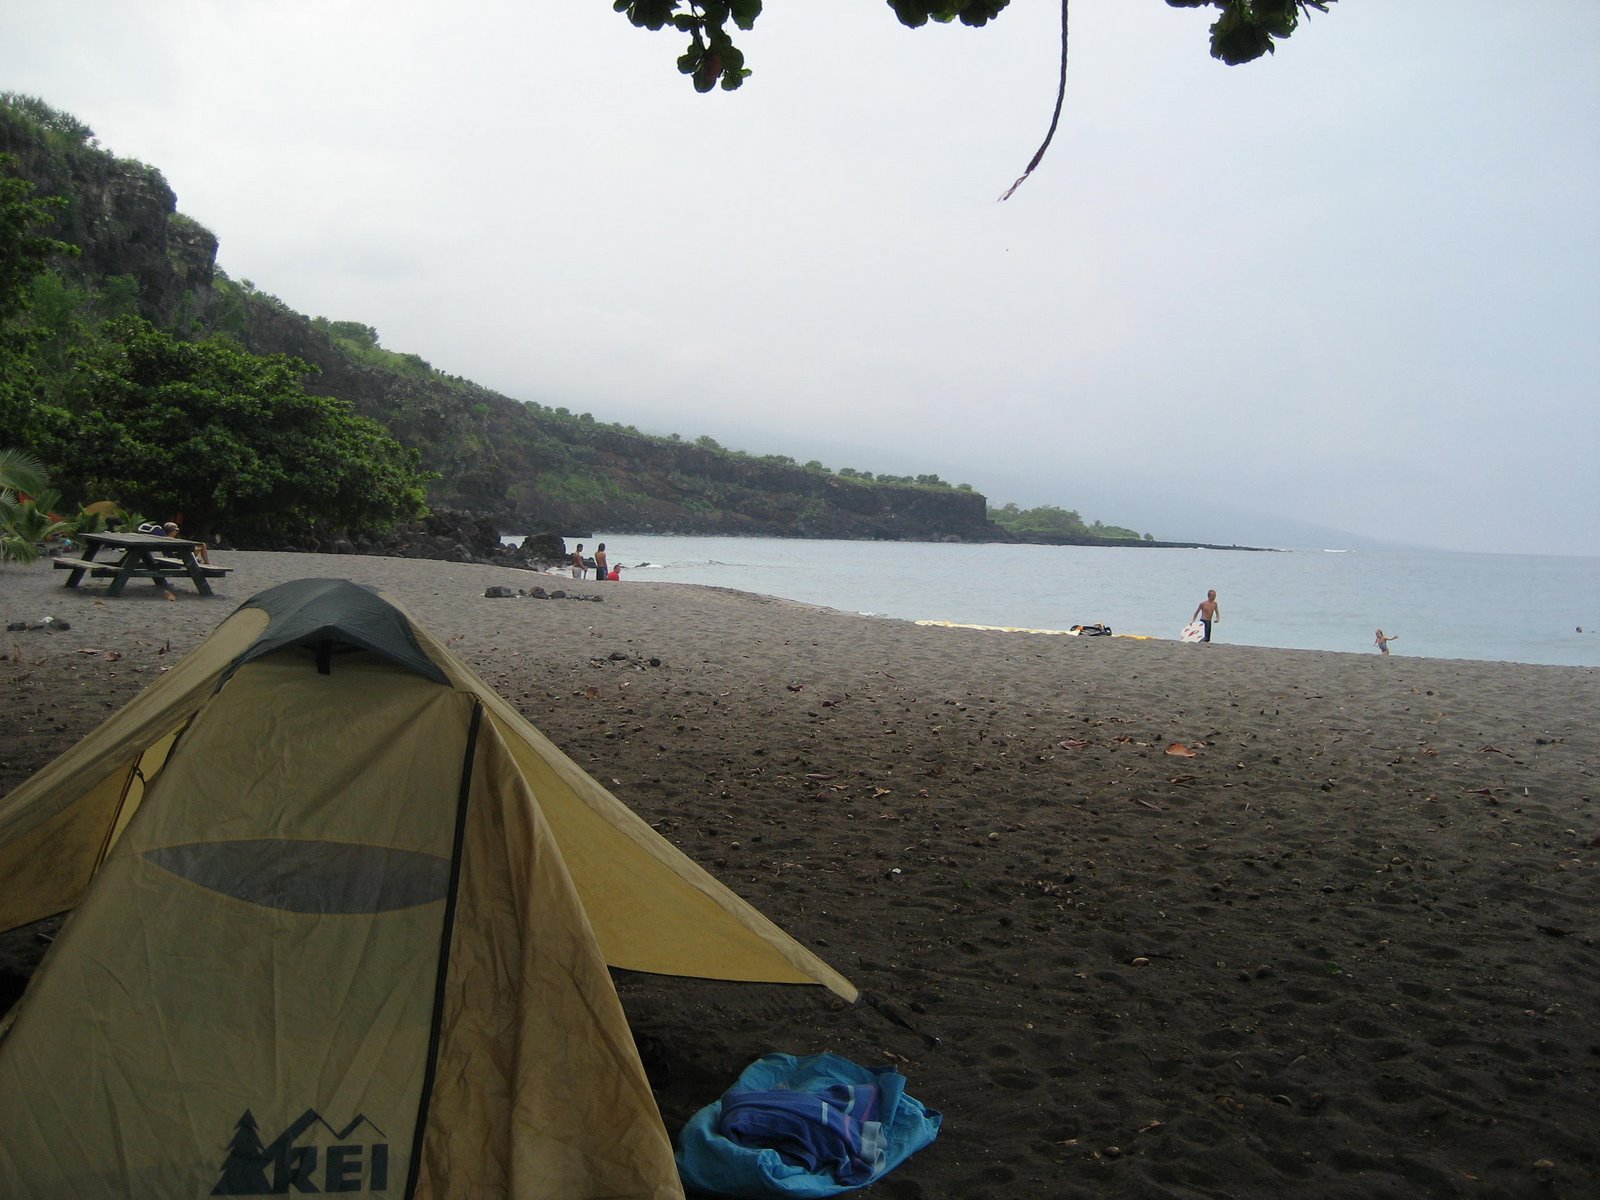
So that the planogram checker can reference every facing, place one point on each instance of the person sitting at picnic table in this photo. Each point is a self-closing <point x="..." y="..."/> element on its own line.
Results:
<point x="170" y="529"/>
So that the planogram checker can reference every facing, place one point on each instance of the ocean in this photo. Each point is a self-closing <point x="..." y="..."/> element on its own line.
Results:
<point x="1436" y="604"/>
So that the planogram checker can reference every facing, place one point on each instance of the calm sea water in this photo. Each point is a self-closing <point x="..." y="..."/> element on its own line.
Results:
<point x="1502" y="608"/>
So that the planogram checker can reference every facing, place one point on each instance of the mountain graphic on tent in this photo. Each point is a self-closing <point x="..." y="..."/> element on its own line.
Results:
<point x="320" y="866"/>
<point x="279" y="1167"/>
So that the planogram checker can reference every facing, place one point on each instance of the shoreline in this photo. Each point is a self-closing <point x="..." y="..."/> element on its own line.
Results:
<point x="1344" y="945"/>
<point x="1109" y="543"/>
<point x="1295" y="601"/>
<point x="559" y="572"/>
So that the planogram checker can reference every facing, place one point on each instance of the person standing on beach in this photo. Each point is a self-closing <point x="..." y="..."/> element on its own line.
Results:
<point x="578" y="569"/>
<point x="1206" y="612"/>
<point x="1382" y="641"/>
<point x="601" y="570"/>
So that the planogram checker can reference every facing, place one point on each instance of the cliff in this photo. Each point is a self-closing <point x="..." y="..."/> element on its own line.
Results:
<point x="528" y="468"/>
<point x="123" y="217"/>
<point x="537" y="470"/>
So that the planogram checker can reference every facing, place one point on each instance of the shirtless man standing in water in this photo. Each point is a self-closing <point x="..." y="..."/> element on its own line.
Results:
<point x="1207" y="612"/>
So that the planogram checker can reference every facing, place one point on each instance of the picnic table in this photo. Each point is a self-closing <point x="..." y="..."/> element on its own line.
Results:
<point x="142" y="556"/>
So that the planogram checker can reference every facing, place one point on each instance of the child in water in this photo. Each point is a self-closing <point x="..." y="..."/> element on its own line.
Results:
<point x="1381" y="641"/>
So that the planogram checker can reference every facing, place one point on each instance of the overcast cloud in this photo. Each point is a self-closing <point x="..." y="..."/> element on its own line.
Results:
<point x="1356" y="285"/>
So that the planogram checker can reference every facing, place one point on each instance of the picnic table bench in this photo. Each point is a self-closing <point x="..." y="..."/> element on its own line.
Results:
<point x="176" y="564"/>
<point x="143" y="556"/>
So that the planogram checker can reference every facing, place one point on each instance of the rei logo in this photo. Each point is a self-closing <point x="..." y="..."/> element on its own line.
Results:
<point x="310" y="1156"/>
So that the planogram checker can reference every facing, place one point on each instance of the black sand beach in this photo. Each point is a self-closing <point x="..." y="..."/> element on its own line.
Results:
<point x="1141" y="919"/>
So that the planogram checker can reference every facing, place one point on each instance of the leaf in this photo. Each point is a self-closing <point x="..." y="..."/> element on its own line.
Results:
<point x="745" y="13"/>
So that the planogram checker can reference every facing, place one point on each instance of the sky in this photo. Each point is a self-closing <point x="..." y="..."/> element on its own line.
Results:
<point x="1344" y="294"/>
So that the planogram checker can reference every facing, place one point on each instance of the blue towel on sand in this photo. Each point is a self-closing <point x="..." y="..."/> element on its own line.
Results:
<point x="814" y="1126"/>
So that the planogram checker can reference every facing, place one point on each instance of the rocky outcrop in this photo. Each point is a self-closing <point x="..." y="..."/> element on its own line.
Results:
<point x="646" y="485"/>
<point x="123" y="217"/>
<point x="530" y="470"/>
<point x="448" y="536"/>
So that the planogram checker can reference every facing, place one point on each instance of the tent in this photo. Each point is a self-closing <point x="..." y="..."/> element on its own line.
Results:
<point x="341" y="924"/>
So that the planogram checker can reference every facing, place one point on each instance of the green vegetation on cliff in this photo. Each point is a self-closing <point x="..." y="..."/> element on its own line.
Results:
<point x="118" y="351"/>
<point x="1050" y="522"/>
<point x="226" y="439"/>
<point x="115" y="408"/>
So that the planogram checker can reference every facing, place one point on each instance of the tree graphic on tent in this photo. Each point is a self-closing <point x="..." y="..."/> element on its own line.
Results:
<point x="244" y="1171"/>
